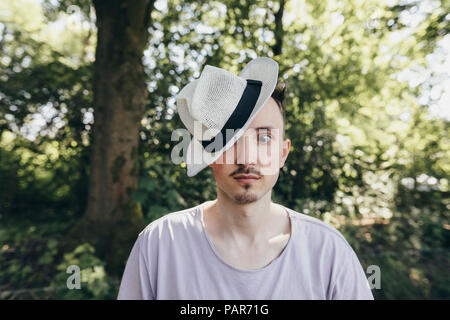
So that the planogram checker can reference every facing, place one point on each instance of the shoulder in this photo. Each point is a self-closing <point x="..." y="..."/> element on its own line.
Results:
<point x="171" y="226"/>
<point x="317" y="232"/>
<point x="333" y="257"/>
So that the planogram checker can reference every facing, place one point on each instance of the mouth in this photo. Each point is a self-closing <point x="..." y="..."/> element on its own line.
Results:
<point x="246" y="178"/>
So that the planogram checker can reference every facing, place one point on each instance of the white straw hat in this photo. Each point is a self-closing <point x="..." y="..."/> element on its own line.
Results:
<point x="219" y="100"/>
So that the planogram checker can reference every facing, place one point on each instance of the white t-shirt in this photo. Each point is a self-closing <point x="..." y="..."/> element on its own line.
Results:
<point x="174" y="258"/>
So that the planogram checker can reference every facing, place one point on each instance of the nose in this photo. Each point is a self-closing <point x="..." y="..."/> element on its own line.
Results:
<point x="246" y="150"/>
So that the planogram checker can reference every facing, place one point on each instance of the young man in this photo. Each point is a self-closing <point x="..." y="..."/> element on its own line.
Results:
<point x="240" y="245"/>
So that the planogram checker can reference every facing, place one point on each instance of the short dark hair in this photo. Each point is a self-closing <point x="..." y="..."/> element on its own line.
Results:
<point x="278" y="95"/>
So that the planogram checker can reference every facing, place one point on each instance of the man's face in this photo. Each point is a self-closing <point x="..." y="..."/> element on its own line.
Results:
<point x="250" y="168"/>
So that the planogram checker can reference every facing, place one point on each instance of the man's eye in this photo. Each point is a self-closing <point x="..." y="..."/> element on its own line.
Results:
<point x="264" y="138"/>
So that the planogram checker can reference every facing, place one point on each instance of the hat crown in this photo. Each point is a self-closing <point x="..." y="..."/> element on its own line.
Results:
<point x="216" y="95"/>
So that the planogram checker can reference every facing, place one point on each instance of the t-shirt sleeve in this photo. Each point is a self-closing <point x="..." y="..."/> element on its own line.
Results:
<point x="351" y="282"/>
<point x="135" y="284"/>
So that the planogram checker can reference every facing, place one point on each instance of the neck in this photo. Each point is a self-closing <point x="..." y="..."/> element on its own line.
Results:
<point x="247" y="224"/>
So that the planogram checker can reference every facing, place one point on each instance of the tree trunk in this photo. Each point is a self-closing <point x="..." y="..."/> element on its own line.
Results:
<point x="278" y="32"/>
<point x="112" y="221"/>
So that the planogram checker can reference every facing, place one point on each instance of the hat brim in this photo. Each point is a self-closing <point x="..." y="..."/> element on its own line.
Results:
<point x="263" y="69"/>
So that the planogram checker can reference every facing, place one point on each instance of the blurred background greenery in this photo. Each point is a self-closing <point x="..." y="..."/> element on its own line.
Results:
<point x="368" y="99"/>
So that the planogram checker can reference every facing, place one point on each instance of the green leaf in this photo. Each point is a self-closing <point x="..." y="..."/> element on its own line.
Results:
<point x="148" y="184"/>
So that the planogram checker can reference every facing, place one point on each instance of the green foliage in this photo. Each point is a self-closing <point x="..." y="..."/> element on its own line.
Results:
<point x="32" y="260"/>
<point x="365" y="156"/>
<point x="28" y="254"/>
<point x="95" y="283"/>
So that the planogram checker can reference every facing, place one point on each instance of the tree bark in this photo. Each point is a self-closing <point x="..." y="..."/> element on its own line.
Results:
<point x="278" y="32"/>
<point x="112" y="221"/>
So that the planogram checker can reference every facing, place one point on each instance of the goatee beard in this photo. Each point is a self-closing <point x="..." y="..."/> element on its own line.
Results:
<point x="244" y="198"/>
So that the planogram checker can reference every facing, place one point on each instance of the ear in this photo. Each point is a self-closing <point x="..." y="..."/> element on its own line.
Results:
<point x="285" y="151"/>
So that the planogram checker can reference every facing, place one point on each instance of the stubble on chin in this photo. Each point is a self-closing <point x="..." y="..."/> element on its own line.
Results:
<point x="245" y="198"/>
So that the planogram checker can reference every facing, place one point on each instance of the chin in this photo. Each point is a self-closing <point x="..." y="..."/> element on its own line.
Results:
<point x="245" y="197"/>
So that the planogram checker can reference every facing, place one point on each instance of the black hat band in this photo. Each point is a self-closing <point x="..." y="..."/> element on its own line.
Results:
<point x="239" y="116"/>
